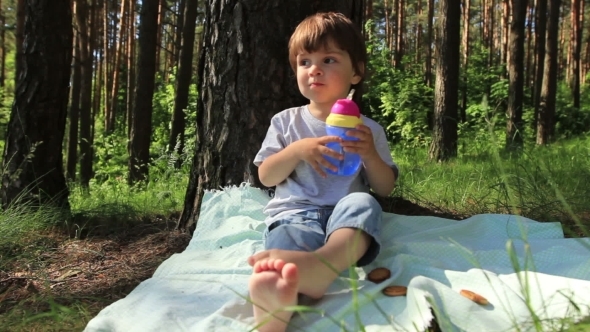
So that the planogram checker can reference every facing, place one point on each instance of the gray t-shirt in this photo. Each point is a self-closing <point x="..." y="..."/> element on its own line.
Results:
<point x="305" y="189"/>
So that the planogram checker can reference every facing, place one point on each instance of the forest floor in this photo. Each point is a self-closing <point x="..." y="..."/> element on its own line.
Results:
<point x="68" y="281"/>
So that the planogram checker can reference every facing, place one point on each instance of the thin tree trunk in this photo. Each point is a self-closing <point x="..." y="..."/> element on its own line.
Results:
<point x="161" y="13"/>
<point x="106" y="62"/>
<point x="141" y="124"/>
<point x="85" y="95"/>
<point x="586" y="64"/>
<point x="514" y="126"/>
<point x="116" y="71"/>
<point x="3" y="59"/>
<point x="446" y="91"/>
<point x="74" y="114"/>
<point x="505" y="33"/>
<point x="130" y="66"/>
<point x="98" y="74"/>
<point x="33" y="161"/>
<point x="183" y="78"/>
<point x="19" y="36"/>
<point x="529" y="52"/>
<point x="387" y="23"/>
<point x="465" y="47"/>
<point x="545" y="123"/>
<point x="418" y="49"/>
<point x="576" y="48"/>
<point x="179" y="30"/>
<point x="399" y="44"/>
<point x="490" y="40"/>
<point x="540" y="33"/>
<point x="429" y="39"/>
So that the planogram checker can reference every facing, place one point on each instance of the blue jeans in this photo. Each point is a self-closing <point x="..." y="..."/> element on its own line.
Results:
<point x="309" y="230"/>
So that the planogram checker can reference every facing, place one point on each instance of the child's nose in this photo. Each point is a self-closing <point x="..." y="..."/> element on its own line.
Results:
<point x="315" y="70"/>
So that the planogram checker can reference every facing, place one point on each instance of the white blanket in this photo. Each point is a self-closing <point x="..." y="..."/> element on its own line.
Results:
<point x="527" y="270"/>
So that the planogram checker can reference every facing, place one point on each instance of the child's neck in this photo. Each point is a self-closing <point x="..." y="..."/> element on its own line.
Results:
<point x="319" y="111"/>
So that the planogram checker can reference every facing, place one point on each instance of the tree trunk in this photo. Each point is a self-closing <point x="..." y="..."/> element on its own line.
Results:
<point x="141" y="124"/>
<point x="505" y="33"/>
<point x="111" y="121"/>
<point x="429" y="38"/>
<point x="576" y="47"/>
<point x="418" y="25"/>
<point x="529" y="62"/>
<point x="233" y="114"/>
<point x="33" y="161"/>
<point x="545" y="123"/>
<point x="446" y="92"/>
<point x="19" y="37"/>
<point x="130" y="66"/>
<point x="72" y="159"/>
<point x="3" y="59"/>
<point x="180" y="28"/>
<point x="540" y="32"/>
<point x="85" y="95"/>
<point x="465" y="47"/>
<point x="106" y="63"/>
<point x="183" y="78"/>
<point x="399" y="44"/>
<point x="514" y="125"/>
<point x="160" y="23"/>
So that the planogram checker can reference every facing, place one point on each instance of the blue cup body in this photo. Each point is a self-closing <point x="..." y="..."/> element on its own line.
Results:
<point x="351" y="162"/>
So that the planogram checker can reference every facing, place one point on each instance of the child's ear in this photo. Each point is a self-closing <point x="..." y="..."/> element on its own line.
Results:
<point x="359" y="76"/>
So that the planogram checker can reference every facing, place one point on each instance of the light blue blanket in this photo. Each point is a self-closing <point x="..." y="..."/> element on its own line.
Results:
<point x="527" y="270"/>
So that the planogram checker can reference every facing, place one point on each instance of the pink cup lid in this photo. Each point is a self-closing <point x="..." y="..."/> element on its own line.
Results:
<point x="346" y="107"/>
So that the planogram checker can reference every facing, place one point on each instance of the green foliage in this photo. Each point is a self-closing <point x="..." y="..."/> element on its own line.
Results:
<point x="400" y="101"/>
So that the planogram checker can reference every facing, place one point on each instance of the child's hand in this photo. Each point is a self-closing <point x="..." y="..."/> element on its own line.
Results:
<point x="365" y="146"/>
<point x="312" y="150"/>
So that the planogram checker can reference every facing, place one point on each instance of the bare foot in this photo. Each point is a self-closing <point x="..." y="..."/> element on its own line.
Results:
<point x="273" y="286"/>
<point x="315" y="274"/>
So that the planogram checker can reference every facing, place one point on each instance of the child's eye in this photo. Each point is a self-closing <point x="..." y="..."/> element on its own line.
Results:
<point x="304" y="62"/>
<point x="329" y="60"/>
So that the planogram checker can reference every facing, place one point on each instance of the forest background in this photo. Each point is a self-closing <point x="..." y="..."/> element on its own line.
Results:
<point x="485" y="104"/>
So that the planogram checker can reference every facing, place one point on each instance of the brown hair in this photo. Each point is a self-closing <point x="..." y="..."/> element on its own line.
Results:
<point x="318" y="30"/>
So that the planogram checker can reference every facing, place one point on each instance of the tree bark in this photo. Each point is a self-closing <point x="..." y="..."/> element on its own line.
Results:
<point x="141" y="124"/>
<point x="72" y="159"/>
<point x="399" y="44"/>
<point x="130" y="66"/>
<point x="3" y="42"/>
<point x="32" y="160"/>
<point x="576" y="47"/>
<point x="540" y="33"/>
<point x="183" y="78"/>
<point x="235" y="102"/>
<point x="429" y="39"/>
<point x="446" y="92"/>
<point x="19" y="37"/>
<point x="111" y="121"/>
<point x="465" y="47"/>
<point x="85" y="95"/>
<point x="514" y="125"/>
<point x="545" y="123"/>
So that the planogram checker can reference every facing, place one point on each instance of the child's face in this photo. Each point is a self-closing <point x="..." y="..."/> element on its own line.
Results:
<point x="325" y="76"/>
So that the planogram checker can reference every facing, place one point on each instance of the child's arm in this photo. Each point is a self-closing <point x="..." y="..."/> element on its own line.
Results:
<point x="277" y="167"/>
<point x="380" y="175"/>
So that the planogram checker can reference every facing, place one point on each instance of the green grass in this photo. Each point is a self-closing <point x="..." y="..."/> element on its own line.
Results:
<point x="543" y="183"/>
